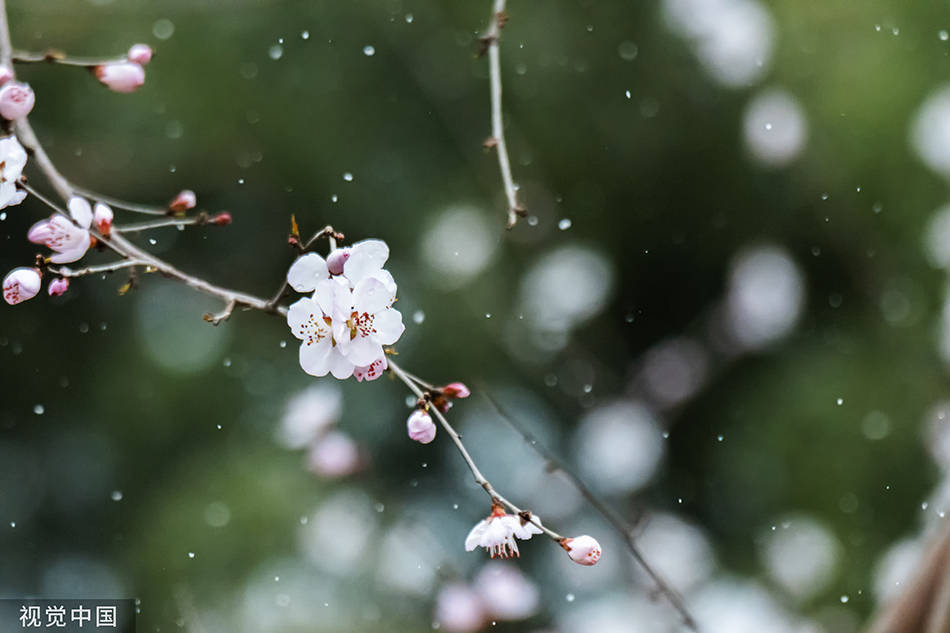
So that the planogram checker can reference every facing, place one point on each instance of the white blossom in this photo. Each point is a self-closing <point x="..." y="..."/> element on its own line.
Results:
<point x="12" y="162"/>
<point x="498" y="533"/>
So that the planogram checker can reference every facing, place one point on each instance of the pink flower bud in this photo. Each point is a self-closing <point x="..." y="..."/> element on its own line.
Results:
<point x="6" y="74"/>
<point x="222" y="219"/>
<point x="421" y="427"/>
<point x="584" y="550"/>
<point x="456" y="390"/>
<point x="186" y="199"/>
<point x="21" y="284"/>
<point x="336" y="260"/>
<point x="140" y="54"/>
<point x="58" y="287"/>
<point x="16" y="100"/>
<point x="102" y="216"/>
<point x="121" y="76"/>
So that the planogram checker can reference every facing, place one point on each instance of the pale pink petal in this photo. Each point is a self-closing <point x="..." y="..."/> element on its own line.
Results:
<point x="372" y="371"/>
<point x="74" y="253"/>
<point x="81" y="211"/>
<point x="121" y="76"/>
<point x="306" y="272"/>
<point x="304" y="318"/>
<point x="315" y="356"/>
<point x="40" y="232"/>
<point x="361" y="350"/>
<point x="340" y="366"/>
<point x="334" y="298"/>
<point x="474" y="538"/>
<point x="388" y="325"/>
<point x="366" y="257"/>
<point x="387" y="280"/>
<point x="370" y="296"/>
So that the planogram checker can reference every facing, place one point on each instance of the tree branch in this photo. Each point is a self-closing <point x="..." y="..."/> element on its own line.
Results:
<point x="497" y="141"/>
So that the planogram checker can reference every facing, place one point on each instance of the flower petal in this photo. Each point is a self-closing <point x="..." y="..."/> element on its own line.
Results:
<point x="334" y="298"/>
<point x="74" y="253"/>
<point x="306" y="272"/>
<point x="370" y="296"/>
<point x="361" y="350"/>
<point x="366" y="257"/>
<point x="474" y="538"/>
<point x="81" y="211"/>
<point x="315" y="357"/>
<point x="388" y="325"/>
<point x="340" y="366"/>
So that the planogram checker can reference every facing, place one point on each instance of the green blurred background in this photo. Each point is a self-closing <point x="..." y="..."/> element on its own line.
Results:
<point x="746" y="327"/>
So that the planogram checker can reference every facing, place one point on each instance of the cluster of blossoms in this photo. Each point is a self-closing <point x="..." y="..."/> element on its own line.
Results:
<point x="68" y="238"/>
<point x="345" y="323"/>
<point x="126" y="75"/>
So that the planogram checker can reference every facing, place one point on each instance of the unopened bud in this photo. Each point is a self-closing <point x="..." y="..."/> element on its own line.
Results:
<point x="21" y="284"/>
<point x="121" y="76"/>
<point x="58" y="287"/>
<point x="102" y="216"/>
<point x="584" y="550"/>
<point x="16" y="100"/>
<point x="222" y="219"/>
<point x="140" y="54"/>
<point x="336" y="260"/>
<point x="6" y="74"/>
<point x="456" y="390"/>
<point x="421" y="427"/>
<point x="185" y="200"/>
<point x="441" y="403"/>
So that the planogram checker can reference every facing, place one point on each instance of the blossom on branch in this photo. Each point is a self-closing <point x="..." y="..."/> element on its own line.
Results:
<point x="348" y="319"/>
<point x="124" y="76"/>
<point x="584" y="550"/>
<point x="16" y="100"/>
<point x="140" y="54"/>
<point x="58" y="287"/>
<point x="12" y="162"/>
<point x="498" y="533"/>
<point x="70" y="239"/>
<point x="102" y="216"/>
<point x="420" y="426"/>
<point x="21" y="284"/>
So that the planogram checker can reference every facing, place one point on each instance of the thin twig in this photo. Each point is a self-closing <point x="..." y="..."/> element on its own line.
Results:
<point x="224" y="315"/>
<point x="147" y="209"/>
<point x="58" y="57"/>
<point x="157" y="224"/>
<point x="490" y="42"/>
<point x="619" y="525"/>
<point x="66" y="271"/>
